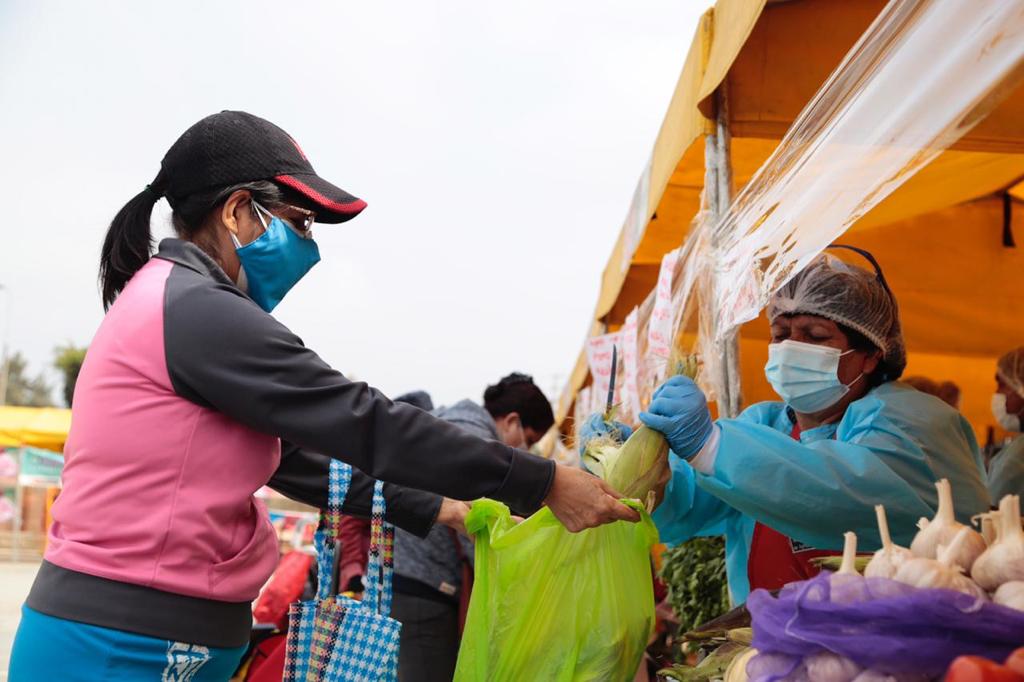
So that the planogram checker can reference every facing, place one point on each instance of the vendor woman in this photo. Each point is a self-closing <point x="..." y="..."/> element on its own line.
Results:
<point x="785" y="480"/>
<point x="189" y="388"/>
<point x="1006" y="470"/>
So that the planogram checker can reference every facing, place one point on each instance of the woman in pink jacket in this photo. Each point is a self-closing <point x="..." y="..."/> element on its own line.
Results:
<point x="193" y="397"/>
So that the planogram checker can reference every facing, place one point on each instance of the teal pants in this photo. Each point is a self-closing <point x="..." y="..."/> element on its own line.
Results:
<point x="48" y="648"/>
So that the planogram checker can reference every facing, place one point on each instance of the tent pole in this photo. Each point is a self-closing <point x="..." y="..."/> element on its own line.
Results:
<point x="718" y="193"/>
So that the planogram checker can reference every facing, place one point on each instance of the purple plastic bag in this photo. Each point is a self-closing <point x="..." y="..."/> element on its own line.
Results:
<point x="878" y="623"/>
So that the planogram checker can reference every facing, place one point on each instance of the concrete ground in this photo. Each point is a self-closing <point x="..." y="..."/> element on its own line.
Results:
<point x="15" y="581"/>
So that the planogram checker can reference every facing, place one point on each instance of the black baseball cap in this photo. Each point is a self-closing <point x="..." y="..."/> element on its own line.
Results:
<point x="235" y="147"/>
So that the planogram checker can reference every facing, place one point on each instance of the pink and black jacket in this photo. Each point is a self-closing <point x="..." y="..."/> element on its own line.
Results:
<point x="191" y="399"/>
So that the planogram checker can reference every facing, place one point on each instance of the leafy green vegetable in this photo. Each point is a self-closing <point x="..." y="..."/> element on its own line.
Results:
<point x="694" y="573"/>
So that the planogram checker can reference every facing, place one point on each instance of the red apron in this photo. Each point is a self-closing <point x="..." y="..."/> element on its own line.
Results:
<point x="776" y="559"/>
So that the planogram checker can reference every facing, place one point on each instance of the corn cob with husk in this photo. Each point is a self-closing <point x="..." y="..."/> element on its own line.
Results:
<point x="638" y="468"/>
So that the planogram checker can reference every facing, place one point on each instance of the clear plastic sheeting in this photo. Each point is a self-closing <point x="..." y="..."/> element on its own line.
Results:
<point x="920" y="77"/>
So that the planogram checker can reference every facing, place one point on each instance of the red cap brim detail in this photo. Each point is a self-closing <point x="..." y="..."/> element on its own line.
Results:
<point x="336" y="208"/>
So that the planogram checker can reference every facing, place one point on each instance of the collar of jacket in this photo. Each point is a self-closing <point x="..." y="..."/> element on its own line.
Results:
<point x="192" y="257"/>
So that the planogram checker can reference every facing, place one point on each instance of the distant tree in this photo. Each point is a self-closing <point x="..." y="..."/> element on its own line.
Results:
<point x="24" y="390"/>
<point x="68" y="359"/>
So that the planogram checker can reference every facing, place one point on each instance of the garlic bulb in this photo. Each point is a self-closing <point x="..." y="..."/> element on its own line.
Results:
<point x="1004" y="560"/>
<point x="941" y="573"/>
<point x="849" y="565"/>
<point x="887" y="560"/>
<point x="989" y="523"/>
<point x="1010" y="594"/>
<point x="829" y="667"/>
<point x="847" y="585"/>
<point x="943" y="528"/>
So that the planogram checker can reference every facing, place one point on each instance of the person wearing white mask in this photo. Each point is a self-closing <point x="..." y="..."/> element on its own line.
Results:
<point x="785" y="479"/>
<point x="1006" y="470"/>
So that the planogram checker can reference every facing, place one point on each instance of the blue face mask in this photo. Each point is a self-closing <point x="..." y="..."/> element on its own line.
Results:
<point x="273" y="262"/>
<point x="806" y="376"/>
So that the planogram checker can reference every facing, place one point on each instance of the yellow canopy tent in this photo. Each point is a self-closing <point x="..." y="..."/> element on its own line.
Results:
<point x="943" y="238"/>
<point x="40" y="427"/>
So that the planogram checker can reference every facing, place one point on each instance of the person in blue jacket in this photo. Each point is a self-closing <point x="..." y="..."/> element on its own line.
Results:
<point x="1006" y="470"/>
<point x="784" y="480"/>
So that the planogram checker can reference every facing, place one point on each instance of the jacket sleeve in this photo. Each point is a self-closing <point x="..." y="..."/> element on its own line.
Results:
<point x="873" y="459"/>
<point x="303" y="477"/>
<point x="224" y="352"/>
<point x="1006" y="473"/>
<point x="688" y="511"/>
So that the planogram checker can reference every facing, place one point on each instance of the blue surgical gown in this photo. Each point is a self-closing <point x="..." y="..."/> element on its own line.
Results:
<point x="1006" y="471"/>
<point x="889" y="448"/>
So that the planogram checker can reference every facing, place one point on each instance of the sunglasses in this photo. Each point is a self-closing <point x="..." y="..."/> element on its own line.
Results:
<point x="303" y="225"/>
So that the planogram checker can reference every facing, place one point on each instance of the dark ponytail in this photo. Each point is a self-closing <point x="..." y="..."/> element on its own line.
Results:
<point x="128" y="244"/>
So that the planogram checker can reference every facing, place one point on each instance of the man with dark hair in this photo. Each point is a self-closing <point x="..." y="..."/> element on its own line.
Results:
<point x="428" y="571"/>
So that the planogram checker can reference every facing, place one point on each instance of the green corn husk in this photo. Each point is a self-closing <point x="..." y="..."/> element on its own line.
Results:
<point x="833" y="563"/>
<point x="639" y="467"/>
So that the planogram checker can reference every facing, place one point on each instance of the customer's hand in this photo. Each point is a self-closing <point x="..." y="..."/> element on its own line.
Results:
<point x="679" y="410"/>
<point x="580" y="500"/>
<point x="597" y="427"/>
<point x="453" y="514"/>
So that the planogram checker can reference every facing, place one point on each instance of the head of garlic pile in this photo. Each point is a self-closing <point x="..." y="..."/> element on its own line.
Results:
<point x="1010" y="594"/>
<point x="943" y="529"/>
<point x="847" y="585"/>
<point x="1003" y="562"/>
<point x="944" y="572"/>
<point x="890" y="557"/>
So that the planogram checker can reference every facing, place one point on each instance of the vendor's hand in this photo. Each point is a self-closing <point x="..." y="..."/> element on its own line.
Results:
<point x="580" y="500"/>
<point x="453" y="514"/>
<point x="597" y="427"/>
<point x="679" y="410"/>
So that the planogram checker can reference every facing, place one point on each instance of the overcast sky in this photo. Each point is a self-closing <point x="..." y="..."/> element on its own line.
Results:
<point x="497" y="144"/>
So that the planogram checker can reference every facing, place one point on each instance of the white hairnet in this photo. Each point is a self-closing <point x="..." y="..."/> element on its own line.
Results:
<point x="850" y="296"/>
<point x="1010" y="369"/>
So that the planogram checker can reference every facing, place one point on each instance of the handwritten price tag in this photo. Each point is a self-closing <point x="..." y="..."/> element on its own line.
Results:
<point x="659" y="329"/>
<point x="628" y="378"/>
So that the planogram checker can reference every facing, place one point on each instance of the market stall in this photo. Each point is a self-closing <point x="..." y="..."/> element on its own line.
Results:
<point x="29" y="482"/>
<point x="946" y="236"/>
<point x="31" y="439"/>
<point x="895" y="128"/>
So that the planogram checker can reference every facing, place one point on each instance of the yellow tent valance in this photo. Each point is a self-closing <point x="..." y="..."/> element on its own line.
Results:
<point x="41" y="427"/>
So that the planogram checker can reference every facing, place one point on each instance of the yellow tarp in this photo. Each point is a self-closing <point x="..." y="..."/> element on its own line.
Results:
<point x="40" y="427"/>
<point x="939" y="236"/>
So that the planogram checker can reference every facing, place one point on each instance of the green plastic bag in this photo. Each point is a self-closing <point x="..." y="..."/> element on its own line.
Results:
<point x="548" y="604"/>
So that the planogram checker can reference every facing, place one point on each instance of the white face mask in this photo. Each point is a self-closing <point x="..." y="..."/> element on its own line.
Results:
<point x="1010" y="422"/>
<point x="806" y="375"/>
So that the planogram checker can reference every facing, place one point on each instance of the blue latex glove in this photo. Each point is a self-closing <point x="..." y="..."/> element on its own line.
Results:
<point x="596" y="427"/>
<point x="679" y="410"/>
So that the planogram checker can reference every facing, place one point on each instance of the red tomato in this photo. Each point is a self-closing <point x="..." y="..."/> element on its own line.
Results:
<point x="977" y="669"/>
<point x="1016" y="661"/>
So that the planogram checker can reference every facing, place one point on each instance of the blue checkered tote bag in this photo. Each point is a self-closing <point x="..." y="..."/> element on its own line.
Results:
<point x="333" y="638"/>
